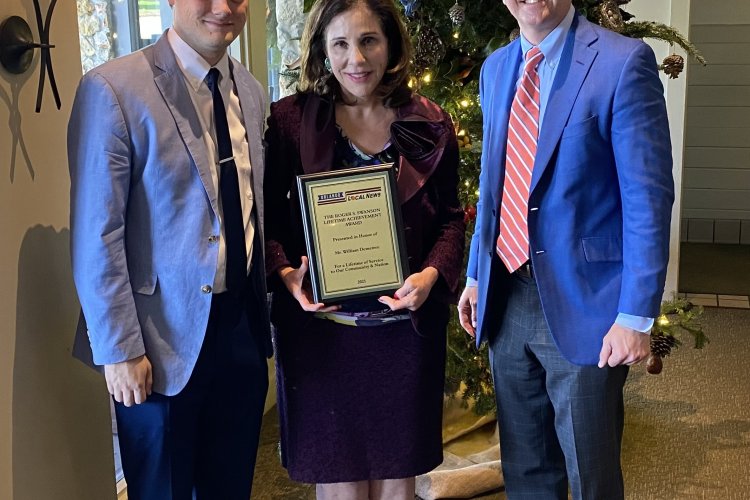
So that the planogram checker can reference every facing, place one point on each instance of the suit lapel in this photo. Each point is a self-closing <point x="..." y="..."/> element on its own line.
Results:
<point x="575" y="63"/>
<point x="499" y="107"/>
<point x="251" y="111"/>
<point x="173" y="88"/>
<point x="318" y="133"/>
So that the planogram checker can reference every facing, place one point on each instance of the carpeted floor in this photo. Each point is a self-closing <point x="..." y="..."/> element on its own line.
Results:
<point x="687" y="432"/>
<point x="271" y="481"/>
<point x="714" y="268"/>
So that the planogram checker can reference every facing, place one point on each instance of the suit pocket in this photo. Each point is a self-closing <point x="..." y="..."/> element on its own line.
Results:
<point x="580" y="128"/>
<point x="145" y="285"/>
<point x="602" y="249"/>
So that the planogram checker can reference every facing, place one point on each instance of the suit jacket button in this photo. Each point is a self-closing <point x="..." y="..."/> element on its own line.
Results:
<point x="206" y="289"/>
<point x="213" y="238"/>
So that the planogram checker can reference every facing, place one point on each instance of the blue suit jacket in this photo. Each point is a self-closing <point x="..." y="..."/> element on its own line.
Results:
<point x="601" y="190"/>
<point x="143" y="207"/>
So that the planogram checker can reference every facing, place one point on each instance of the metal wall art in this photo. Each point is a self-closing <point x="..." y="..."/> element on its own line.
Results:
<point x="17" y="49"/>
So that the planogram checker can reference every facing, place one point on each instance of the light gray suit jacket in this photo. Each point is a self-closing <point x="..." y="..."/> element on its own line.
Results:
<point x="144" y="212"/>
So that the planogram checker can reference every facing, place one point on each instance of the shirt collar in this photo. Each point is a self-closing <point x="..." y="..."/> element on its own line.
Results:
<point x="192" y="64"/>
<point x="552" y="45"/>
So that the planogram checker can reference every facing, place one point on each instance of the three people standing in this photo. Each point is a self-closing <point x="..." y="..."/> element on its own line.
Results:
<point x="566" y="267"/>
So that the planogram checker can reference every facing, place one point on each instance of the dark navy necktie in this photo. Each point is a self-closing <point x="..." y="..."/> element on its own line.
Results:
<point x="229" y="188"/>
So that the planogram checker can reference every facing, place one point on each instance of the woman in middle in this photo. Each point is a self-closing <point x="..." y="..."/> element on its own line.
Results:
<point x="361" y="406"/>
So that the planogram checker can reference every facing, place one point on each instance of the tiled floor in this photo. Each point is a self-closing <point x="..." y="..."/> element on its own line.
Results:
<point x="718" y="300"/>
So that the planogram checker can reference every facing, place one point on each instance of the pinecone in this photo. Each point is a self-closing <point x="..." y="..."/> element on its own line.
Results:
<point x="661" y="345"/>
<point x="609" y="16"/>
<point x="514" y="34"/>
<point x="457" y="13"/>
<point x="429" y="48"/>
<point x="673" y="65"/>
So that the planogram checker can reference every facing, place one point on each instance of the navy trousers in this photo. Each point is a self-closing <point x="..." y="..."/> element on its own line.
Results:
<point x="560" y="424"/>
<point x="201" y="443"/>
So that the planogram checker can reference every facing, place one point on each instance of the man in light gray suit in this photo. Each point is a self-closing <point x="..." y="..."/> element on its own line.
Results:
<point x="166" y="168"/>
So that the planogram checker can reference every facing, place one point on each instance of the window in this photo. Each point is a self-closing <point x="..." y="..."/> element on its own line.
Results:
<point x="114" y="28"/>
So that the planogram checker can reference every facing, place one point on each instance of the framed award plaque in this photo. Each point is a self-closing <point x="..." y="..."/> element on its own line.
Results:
<point x="353" y="232"/>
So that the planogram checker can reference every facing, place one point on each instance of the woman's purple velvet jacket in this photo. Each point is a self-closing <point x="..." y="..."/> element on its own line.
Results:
<point x="300" y="140"/>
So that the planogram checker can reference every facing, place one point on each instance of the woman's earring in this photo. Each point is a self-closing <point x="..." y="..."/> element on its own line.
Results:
<point x="327" y="64"/>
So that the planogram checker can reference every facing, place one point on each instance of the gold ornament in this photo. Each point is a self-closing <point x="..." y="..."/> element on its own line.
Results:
<point x="464" y="141"/>
<point x="609" y="16"/>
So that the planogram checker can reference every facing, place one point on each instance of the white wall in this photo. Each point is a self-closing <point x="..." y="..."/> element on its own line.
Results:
<point x="675" y="13"/>
<point x="724" y="12"/>
<point x="717" y="168"/>
<point x="54" y="419"/>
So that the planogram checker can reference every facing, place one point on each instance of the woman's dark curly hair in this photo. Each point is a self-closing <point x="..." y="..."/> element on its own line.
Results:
<point x="314" y="77"/>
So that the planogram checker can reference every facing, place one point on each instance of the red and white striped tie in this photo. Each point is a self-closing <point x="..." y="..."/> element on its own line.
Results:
<point x="523" y="131"/>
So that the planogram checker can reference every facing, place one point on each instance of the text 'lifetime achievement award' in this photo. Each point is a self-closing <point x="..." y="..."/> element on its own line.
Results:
<point x="353" y="231"/>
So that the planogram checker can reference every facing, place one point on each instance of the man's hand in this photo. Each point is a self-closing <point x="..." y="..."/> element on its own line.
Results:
<point x="624" y="346"/>
<point x="414" y="291"/>
<point x="467" y="310"/>
<point x="294" y="280"/>
<point x="129" y="382"/>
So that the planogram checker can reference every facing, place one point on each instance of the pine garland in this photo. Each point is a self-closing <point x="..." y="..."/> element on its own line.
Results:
<point x="677" y="316"/>
<point x="680" y="316"/>
<point x="658" y="31"/>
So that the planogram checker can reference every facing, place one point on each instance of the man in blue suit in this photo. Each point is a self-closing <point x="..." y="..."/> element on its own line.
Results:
<point x="572" y="308"/>
<point x="166" y="166"/>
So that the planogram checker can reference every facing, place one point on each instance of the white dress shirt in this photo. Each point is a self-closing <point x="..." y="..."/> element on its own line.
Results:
<point x="195" y="69"/>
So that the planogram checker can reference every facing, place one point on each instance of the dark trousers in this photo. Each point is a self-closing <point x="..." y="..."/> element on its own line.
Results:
<point x="560" y="424"/>
<point x="201" y="443"/>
